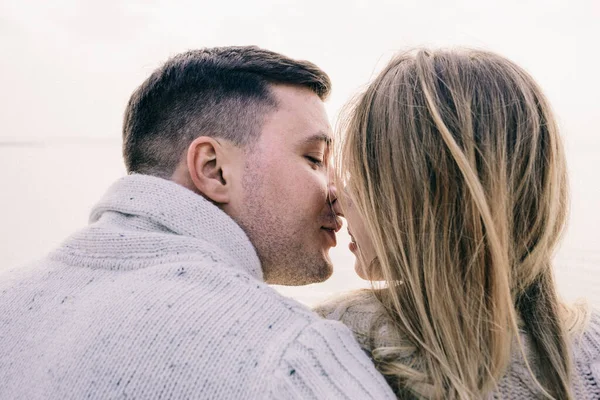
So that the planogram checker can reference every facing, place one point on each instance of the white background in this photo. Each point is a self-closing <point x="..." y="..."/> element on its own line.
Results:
<point x="68" y="67"/>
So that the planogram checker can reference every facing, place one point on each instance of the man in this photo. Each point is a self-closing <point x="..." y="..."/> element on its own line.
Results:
<point x="163" y="294"/>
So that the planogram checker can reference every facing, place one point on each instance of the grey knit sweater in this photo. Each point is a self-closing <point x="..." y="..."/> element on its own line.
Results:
<point x="362" y="312"/>
<point x="162" y="297"/>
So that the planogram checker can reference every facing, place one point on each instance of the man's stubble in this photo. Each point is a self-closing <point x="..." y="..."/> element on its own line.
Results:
<point x="285" y="259"/>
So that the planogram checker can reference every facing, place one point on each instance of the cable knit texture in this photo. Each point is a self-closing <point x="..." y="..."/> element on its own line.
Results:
<point x="364" y="314"/>
<point x="162" y="297"/>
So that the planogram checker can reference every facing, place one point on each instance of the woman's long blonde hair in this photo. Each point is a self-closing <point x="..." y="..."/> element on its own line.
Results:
<point x="454" y="161"/>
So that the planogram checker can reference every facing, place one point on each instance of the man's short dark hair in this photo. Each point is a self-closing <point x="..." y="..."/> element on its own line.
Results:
<point x="222" y="92"/>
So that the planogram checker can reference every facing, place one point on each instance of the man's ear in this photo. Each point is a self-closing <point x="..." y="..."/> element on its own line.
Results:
<point x="205" y="159"/>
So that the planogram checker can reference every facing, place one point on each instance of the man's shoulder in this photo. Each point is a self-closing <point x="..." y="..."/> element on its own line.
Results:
<point x="187" y="281"/>
<point x="170" y="318"/>
<point x="224" y="297"/>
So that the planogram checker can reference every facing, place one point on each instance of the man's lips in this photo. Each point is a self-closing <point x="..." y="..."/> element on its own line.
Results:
<point x="331" y="228"/>
<point x="334" y="225"/>
<point x="330" y="233"/>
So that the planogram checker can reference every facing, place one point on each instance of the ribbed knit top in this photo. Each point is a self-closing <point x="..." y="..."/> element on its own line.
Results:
<point x="364" y="314"/>
<point x="162" y="297"/>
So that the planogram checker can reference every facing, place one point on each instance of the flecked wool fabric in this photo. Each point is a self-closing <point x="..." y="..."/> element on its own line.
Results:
<point x="162" y="297"/>
<point x="364" y="314"/>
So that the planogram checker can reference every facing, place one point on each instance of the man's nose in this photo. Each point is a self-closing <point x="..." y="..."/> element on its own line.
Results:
<point x="333" y="200"/>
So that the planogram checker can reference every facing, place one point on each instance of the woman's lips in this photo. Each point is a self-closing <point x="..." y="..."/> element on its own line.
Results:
<point x="352" y="246"/>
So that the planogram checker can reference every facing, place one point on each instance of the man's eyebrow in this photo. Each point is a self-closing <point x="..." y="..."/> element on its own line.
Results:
<point x="319" y="137"/>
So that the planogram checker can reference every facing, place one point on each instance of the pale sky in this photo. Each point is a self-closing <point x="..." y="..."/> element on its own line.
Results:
<point x="68" y="68"/>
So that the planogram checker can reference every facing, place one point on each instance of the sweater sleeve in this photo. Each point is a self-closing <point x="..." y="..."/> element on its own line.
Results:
<point x="592" y="348"/>
<point x="325" y="362"/>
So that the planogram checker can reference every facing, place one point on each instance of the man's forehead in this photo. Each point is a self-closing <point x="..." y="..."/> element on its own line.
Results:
<point x="300" y="114"/>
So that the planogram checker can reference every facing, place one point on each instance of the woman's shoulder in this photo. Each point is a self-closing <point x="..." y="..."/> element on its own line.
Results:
<point x="353" y="303"/>
<point x="586" y="357"/>
<point x="589" y="343"/>
<point x="363" y="313"/>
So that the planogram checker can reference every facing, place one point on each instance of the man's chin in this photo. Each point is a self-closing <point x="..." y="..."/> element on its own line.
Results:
<point x="325" y="274"/>
<point x="311" y="275"/>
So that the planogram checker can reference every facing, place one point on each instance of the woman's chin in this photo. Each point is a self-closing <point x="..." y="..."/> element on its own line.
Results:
<point x="360" y="271"/>
<point x="371" y="274"/>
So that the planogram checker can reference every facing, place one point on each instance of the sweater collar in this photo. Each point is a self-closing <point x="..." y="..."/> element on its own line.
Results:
<point x="181" y="211"/>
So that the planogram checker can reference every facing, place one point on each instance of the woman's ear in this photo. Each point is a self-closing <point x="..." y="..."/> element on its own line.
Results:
<point x="205" y="165"/>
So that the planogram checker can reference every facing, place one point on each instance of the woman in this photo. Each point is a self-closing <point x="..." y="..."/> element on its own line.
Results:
<point x="456" y="198"/>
